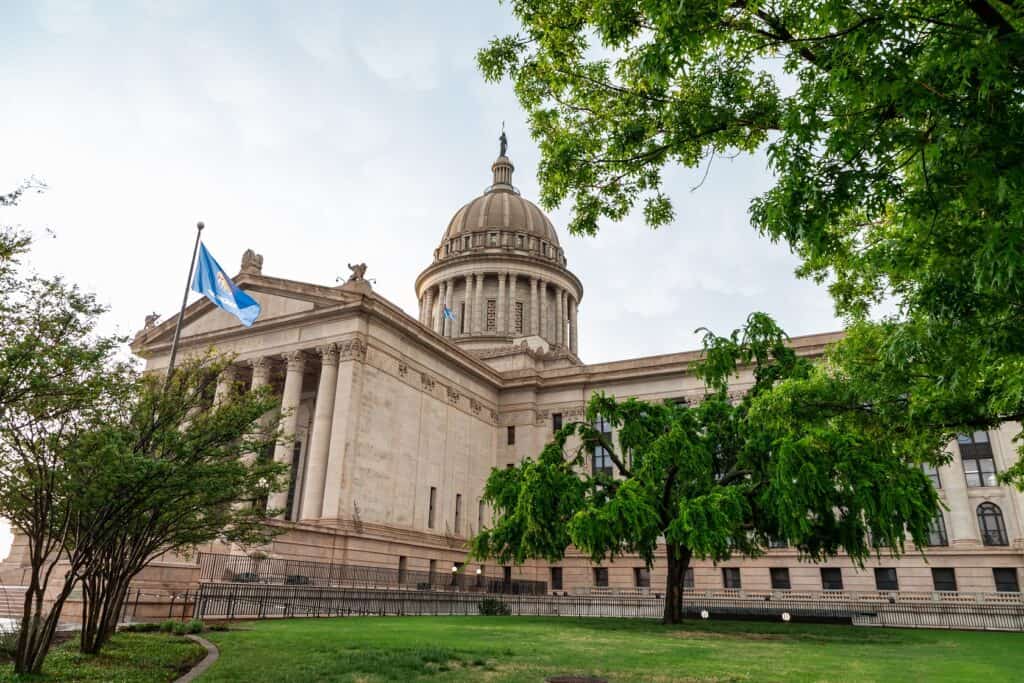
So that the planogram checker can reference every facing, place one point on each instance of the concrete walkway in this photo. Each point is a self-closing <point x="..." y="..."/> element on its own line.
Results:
<point x="199" y="669"/>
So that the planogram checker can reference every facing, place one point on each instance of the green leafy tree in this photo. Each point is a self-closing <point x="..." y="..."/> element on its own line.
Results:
<point x="788" y="460"/>
<point x="169" y="473"/>
<point x="894" y="132"/>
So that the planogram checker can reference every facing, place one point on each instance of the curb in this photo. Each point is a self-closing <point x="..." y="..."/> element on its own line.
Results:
<point x="199" y="669"/>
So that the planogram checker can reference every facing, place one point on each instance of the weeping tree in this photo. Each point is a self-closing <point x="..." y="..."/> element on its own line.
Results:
<point x="792" y="459"/>
<point x="168" y="473"/>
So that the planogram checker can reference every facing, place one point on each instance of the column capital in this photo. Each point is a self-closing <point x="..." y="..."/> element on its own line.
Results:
<point x="261" y="368"/>
<point x="296" y="360"/>
<point x="328" y="354"/>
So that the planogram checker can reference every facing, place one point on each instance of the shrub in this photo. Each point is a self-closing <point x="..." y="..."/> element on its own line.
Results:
<point x="8" y="640"/>
<point x="194" y="626"/>
<point x="167" y="626"/>
<point x="492" y="607"/>
<point x="141" y="628"/>
<point x="217" y="627"/>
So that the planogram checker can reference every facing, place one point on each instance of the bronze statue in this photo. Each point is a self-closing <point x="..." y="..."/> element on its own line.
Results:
<point x="358" y="270"/>
<point x="151" y="320"/>
<point x="504" y="143"/>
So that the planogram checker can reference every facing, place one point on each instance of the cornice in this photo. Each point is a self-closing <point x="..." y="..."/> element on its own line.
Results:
<point x="453" y="262"/>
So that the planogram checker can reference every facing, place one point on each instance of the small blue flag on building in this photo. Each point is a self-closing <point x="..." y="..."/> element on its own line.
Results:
<point x="449" y="314"/>
<point x="211" y="281"/>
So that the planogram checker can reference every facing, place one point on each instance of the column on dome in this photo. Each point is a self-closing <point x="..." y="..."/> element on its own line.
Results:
<point x="478" y="306"/>
<point x="544" y="323"/>
<point x="510" y="316"/>
<point x="500" y="305"/>
<point x="534" y="308"/>
<point x="320" y="440"/>
<point x="290" y="397"/>
<point x="559" y="315"/>
<point x="439" y="314"/>
<point x="428" y="307"/>
<point x="573" y="332"/>
<point x="448" y="325"/>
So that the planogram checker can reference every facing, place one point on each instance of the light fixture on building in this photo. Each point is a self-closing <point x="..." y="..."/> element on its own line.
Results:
<point x="704" y="614"/>
<point x="479" y="571"/>
<point x="785" y="616"/>
<point x="455" y="569"/>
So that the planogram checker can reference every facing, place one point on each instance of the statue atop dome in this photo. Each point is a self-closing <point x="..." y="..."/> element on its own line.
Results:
<point x="503" y="140"/>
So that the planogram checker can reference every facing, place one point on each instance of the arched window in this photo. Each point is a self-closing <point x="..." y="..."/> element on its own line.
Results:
<point x="990" y="522"/>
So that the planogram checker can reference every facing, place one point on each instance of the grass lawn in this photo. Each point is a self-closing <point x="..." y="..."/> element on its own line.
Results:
<point x="530" y="648"/>
<point x="128" y="658"/>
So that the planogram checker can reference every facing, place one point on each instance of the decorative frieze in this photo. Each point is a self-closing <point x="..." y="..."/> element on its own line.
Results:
<point x="569" y="413"/>
<point x="403" y="369"/>
<point x="475" y="406"/>
<point x="352" y="348"/>
<point x="453" y="395"/>
<point x="427" y="382"/>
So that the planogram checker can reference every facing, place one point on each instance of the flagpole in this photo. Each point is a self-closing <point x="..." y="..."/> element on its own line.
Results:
<point x="184" y="300"/>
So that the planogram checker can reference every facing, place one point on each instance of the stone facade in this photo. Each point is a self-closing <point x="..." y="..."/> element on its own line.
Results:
<point x="399" y="419"/>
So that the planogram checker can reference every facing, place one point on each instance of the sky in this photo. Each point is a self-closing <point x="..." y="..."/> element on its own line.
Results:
<point x="326" y="133"/>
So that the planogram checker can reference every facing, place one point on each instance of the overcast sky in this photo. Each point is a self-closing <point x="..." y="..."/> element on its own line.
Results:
<point x="322" y="133"/>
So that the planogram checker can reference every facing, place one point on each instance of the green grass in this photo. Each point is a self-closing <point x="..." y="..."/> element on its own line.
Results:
<point x="528" y="649"/>
<point x="128" y="658"/>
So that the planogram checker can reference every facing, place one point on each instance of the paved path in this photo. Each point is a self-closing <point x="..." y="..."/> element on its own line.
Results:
<point x="199" y="669"/>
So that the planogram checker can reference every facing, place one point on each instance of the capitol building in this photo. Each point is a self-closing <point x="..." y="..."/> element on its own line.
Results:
<point x="399" y="417"/>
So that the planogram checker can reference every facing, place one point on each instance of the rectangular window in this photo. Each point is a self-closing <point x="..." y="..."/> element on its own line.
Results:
<point x="731" y="577"/>
<point x="519" y="242"/>
<point x="601" y="577"/>
<point x="492" y="239"/>
<point x="458" y="513"/>
<point x="780" y="578"/>
<point x="506" y="574"/>
<point x="466" y="244"/>
<point x="944" y="579"/>
<point x="777" y="543"/>
<point x="602" y="458"/>
<point x="1006" y="580"/>
<point x="401" y="569"/>
<point x="642" y="577"/>
<point x="432" y="572"/>
<point x="978" y="461"/>
<point x="688" y="578"/>
<point x="886" y="579"/>
<point x="519" y="317"/>
<point x="556" y="422"/>
<point x="492" y="313"/>
<point x="430" y="510"/>
<point x="556" y="578"/>
<point x="510" y="436"/>
<point x="932" y="473"/>
<point x="480" y="517"/>
<point x="831" y="578"/>
<point x="937" y="532"/>
<point x="462" y="318"/>
<point x="293" y="479"/>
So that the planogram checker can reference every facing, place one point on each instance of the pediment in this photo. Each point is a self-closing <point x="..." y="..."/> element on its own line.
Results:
<point x="278" y="299"/>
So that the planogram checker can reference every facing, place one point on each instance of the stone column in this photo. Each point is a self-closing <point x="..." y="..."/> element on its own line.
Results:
<point x="534" y="308"/>
<point x="573" y="332"/>
<point x="500" y="305"/>
<point x="449" y="291"/>
<point x="320" y="441"/>
<point x="439" y="316"/>
<point x="225" y="383"/>
<point x="290" y="398"/>
<point x="962" y="520"/>
<point x="543" y="293"/>
<point x="344" y="428"/>
<point x="510" y="317"/>
<point x="428" y="307"/>
<point x="479" y="314"/>
<point x="559" y="316"/>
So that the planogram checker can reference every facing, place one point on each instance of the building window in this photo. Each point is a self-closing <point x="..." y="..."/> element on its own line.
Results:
<point x="519" y="317"/>
<point x="432" y="571"/>
<point x="492" y="239"/>
<point x="447" y="248"/>
<point x="937" y="531"/>
<point x="430" y="510"/>
<point x="932" y="473"/>
<point x="1006" y="580"/>
<point x="601" y="577"/>
<point x="731" y="577"/>
<point x="831" y="578"/>
<point x="492" y="312"/>
<point x="401" y="569"/>
<point x="544" y="248"/>
<point x="506" y="574"/>
<point x="602" y="458"/>
<point x="976" y="455"/>
<point x="456" y="571"/>
<point x="777" y="543"/>
<point x="556" y="578"/>
<point x="480" y="517"/>
<point x="642" y="577"/>
<point x="510" y="438"/>
<point x="556" y="422"/>
<point x="944" y="579"/>
<point x="467" y="242"/>
<point x="519" y="241"/>
<point x="780" y="578"/>
<point x="991" y="525"/>
<point x="886" y="579"/>
<point x="462" y="318"/>
<point x="688" y="578"/>
<point x="458" y="513"/>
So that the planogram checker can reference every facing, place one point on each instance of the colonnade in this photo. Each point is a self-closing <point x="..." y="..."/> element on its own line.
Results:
<point x="554" y="320"/>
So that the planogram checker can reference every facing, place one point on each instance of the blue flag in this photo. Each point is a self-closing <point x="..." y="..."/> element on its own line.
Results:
<point x="449" y="314"/>
<point x="211" y="281"/>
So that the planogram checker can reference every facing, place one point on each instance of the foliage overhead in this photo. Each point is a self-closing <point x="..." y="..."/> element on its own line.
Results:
<point x="894" y="132"/>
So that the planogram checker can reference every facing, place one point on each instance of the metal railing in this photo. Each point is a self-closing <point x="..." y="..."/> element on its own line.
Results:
<point x="965" y="611"/>
<point x="241" y="569"/>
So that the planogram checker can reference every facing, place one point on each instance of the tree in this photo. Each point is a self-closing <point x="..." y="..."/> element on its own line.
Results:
<point x="168" y="474"/>
<point x="789" y="460"/>
<point x="894" y="130"/>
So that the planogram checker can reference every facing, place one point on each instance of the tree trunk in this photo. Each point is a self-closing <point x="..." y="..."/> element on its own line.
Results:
<point x="105" y="597"/>
<point x="37" y="631"/>
<point x="678" y="563"/>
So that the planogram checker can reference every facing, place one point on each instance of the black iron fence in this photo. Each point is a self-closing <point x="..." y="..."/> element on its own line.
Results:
<point x="262" y="600"/>
<point x="241" y="569"/>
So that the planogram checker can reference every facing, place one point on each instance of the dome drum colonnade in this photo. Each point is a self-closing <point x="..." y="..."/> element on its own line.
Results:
<point x="501" y="272"/>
